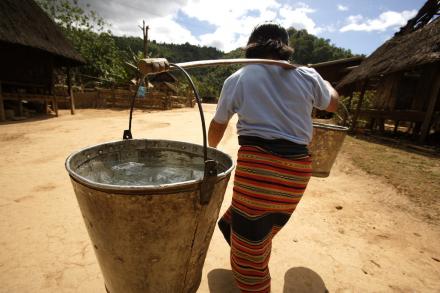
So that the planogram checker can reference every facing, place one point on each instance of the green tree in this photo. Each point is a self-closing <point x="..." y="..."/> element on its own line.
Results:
<point x="310" y="49"/>
<point x="207" y="80"/>
<point x="89" y="35"/>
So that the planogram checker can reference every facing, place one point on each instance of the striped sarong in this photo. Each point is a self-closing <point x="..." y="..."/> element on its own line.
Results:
<point x="267" y="189"/>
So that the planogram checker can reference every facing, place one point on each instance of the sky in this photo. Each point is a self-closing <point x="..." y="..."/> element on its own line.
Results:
<point x="358" y="25"/>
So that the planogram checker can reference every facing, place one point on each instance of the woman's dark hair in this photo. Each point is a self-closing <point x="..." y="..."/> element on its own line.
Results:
<point x="269" y="40"/>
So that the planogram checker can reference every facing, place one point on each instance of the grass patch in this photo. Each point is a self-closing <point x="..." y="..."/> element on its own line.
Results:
<point x="413" y="174"/>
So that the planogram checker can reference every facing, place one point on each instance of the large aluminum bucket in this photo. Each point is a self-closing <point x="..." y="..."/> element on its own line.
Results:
<point x="326" y="143"/>
<point x="148" y="238"/>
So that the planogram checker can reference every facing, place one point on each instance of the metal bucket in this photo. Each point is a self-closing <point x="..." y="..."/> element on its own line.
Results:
<point x="326" y="143"/>
<point x="148" y="238"/>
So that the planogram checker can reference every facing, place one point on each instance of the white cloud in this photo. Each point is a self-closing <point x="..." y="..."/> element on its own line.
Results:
<point x="299" y="18"/>
<point x="120" y="10"/>
<point x="386" y="20"/>
<point x="126" y="16"/>
<point x="234" y="23"/>
<point x="166" y="29"/>
<point x="232" y="20"/>
<point x="220" y="13"/>
<point x="342" y="7"/>
<point x="331" y="28"/>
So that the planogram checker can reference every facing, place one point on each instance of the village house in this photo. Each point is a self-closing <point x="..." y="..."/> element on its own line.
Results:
<point x="403" y="76"/>
<point x="32" y="47"/>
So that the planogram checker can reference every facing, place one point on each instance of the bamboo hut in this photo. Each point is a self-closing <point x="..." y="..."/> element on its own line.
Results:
<point x="404" y="75"/>
<point x="32" y="47"/>
<point x="165" y="92"/>
<point x="334" y="71"/>
<point x="164" y="84"/>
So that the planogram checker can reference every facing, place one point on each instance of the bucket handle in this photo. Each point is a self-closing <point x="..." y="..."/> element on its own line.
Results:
<point x="211" y="166"/>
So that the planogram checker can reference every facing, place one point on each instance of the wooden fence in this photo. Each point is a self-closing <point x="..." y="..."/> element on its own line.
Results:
<point x="121" y="98"/>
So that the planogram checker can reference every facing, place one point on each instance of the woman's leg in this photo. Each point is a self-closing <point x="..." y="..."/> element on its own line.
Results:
<point x="267" y="189"/>
<point x="225" y="225"/>
<point x="251" y="246"/>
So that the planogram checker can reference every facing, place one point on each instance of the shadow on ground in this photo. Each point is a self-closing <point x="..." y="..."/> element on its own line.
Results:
<point x="303" y="280"/>
<point x="296" y="280"/>
<point x="402" y="143"/>
<point x="40" y="117"/>
<point x="221" y="281"/>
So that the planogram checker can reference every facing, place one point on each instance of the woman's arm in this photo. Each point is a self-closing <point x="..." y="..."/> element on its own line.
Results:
<point x="215" y="133"/>
<point x="334" y="98"/>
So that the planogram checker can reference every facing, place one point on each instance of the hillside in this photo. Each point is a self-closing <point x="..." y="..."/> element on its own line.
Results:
<point x="107" y="55"/>
<point x="308" y="49"/>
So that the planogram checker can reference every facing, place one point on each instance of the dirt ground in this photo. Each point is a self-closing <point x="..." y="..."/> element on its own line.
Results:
<point x="351" y="232"/>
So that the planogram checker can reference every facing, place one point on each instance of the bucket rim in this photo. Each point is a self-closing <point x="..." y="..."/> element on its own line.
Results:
<point x="142" y="188"/>
<point x="330" y="126"/>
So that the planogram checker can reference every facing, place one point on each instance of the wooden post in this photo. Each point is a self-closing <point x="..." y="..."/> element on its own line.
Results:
<point x="113" y="104"/>
<point x="145" y="36"/>
<point x="410" y="128"/>
<point x="358" y="107"/>
<point x="381" y="122"/>
<point x="347" y="110"/>
<point x="96" y="97"/>
<point x="433" y="97"/>
<point x="371" y="124"/>
<point x="52" y="92"/>
<point x="55" y="100"/>
<point x="2" y="105"/>
<point x="20" y="107"/>
<point x="396" y="126"/>
<point x="349" y="101"/>
<point x="70" y="91"/>
<point x="416" y="130"/>
<point x="46" y="105"/>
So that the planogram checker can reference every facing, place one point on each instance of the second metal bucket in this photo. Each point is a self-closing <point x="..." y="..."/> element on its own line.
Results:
<point x="326" y="143"/>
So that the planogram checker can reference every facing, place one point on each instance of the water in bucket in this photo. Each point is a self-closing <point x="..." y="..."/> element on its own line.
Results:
<point x="151" y="170"/>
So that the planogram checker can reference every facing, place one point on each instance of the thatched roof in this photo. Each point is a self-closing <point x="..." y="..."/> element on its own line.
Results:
<point x="400" y="53"/>
<point x="23" y="22"/>
<point x="423" y="17"/>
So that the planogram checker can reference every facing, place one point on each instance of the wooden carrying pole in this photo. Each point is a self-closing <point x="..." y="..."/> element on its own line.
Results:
<point x="146" y="65"/>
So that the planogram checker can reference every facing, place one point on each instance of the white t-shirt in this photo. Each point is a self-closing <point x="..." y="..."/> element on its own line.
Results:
<point x="273" y="102"/>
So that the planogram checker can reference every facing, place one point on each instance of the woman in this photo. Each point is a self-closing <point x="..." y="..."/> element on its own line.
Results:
<point x="274" y="127"/>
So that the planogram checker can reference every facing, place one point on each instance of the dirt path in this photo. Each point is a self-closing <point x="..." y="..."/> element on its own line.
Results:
<point x="350" y="233"/>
